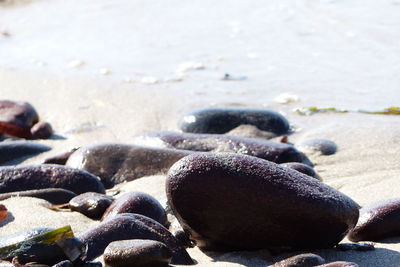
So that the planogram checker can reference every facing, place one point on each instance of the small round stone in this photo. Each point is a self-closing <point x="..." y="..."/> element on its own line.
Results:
<point x="138" y="253"/>
<point x="377" y="221"/>
<point x="91" y="204"/>
<point x="322" y="146"/>
<point x="301" y="260"/>
<point x="41" y="130"/>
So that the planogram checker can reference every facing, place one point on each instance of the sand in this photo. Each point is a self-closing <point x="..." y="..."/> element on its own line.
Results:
<point x="103" y="71"/>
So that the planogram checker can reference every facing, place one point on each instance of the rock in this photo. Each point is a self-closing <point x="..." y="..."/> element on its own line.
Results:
<point x="138" y="253"/>
<point x="140" y="203"/>
<point x="355" y="246"/>
<point x="55" y="196"/>
<point x="65" y="263"/>
<point x="48" y="176"/>
<point x="339" y="264"/>
<point x="272" y="151"/>
<point x="17" y="118"/>
<point x="301" y="260"/>
<point x="60" y="159"/>
<point x="303" y="168"/>
<point x="41" y="130"/>
<point x="377" y="221"/>
<point x="117" y="163"/>
<point x="91" y="204"/>
<point x="222" y="120"/>
<point x="210" y="196"/>
<point x="3" y="212"/>
<point x="322" y="146"/>
<point x="14" y="152"/>
<point x="131" y="226"/>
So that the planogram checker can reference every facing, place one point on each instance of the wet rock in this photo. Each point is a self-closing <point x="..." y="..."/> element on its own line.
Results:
<point x="48" y="176"/>
<point x="339" y="264"/>
<point x="55" y="196"/>
<point x="377" y="221"/>
<point x="3" y="212"/>
<point x="355" y="246"/>
<point x="209" y="195"/>
<point x="41" y="130"/>
<point x="322" y="146"/>
<point x="222" y="120"/>
<point x="272" y="151"/>
<point x="140" y="203"/>
<point x="14" y="152"/>
<point x="116" y="163"/>
<point x="131" y="226"/>
<point x="91" y="204"/>
<point x="60" y="159"/>
<point x="17" y="118"/>
<point x="303" y="168"/>
<point x="301" y="260"/>
<point x="138" y="253"/>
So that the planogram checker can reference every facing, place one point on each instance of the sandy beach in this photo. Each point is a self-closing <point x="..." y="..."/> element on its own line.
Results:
<point x="104" y="71"/>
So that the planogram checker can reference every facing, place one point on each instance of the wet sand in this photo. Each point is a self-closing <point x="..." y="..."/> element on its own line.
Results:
<point x="126" y="77"/>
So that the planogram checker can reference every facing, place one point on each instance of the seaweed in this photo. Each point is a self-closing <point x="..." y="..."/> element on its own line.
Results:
<point x="312" y="110"/>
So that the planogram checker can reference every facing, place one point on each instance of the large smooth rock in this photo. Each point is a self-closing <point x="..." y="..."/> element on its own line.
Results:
<point x="272" y="151"/>
<point x="222" y="120"/>
<point x="14" y="152"/>
<point x="138" y="253"/>
<point x="48" y="176"/>
<point x="17" y="118"/>
<point x="232" y="201"/>
<point x="140" y="203"/>
<point x="116" y="163"/>
<point x="378" y="221"/>
<point x="131" y="226"/>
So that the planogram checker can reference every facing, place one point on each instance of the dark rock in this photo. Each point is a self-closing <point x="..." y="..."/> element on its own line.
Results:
<point x="131" y="226"/>
<point x="301" y="260"/>
<point x="116" y="163"/>
<point x="377" y="221"/>
<point x="339" y="264"/>
<point x="232" y="201"/>
<point x="48" y="176"/>
<point x="65" y="263"/>
<point x="322" y="146"/>
<point x="60" y="159"/>
<point x="55" y="196"/>
<point x="138" y="253"/>
<point x="272" y="151"/>
<point x="222" y="120"/>
<point x="41" y="130"/>
<point x="355" y="246"/>
<point x="91" y="204"/>
<point x="17" y="118"/>
<point x="303" y="168"/>
<point x="140" y="203"/>
<point x="14" y="152"/>
<point x="183" y="238"/>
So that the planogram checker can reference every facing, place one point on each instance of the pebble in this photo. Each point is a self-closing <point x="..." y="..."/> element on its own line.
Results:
<point x="3" y="212"/>
<point x="140" y="203"/>
<point x="48" y="176"/>
<point x="377" y="221"/>
<point x="60" y="159"/>
<point x="339" y="264"/>
<point x="222" y="120"/>
<point x="55" y="196"/>
<point x="41" y="130"/>
<point x="90" y="204"/>
<point x="322" y="146"/>
<point x="303" y="168"/>
<point x="209" y="195"/>
<point x="14" y="152"/>
<point x="272" y="151"/>
<point x="301" y="260"/>
<point x="116" y="163"/>
<point x="17" y="118"/>
<point x="138" y="253"/>
<point x="131" y="226"/>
